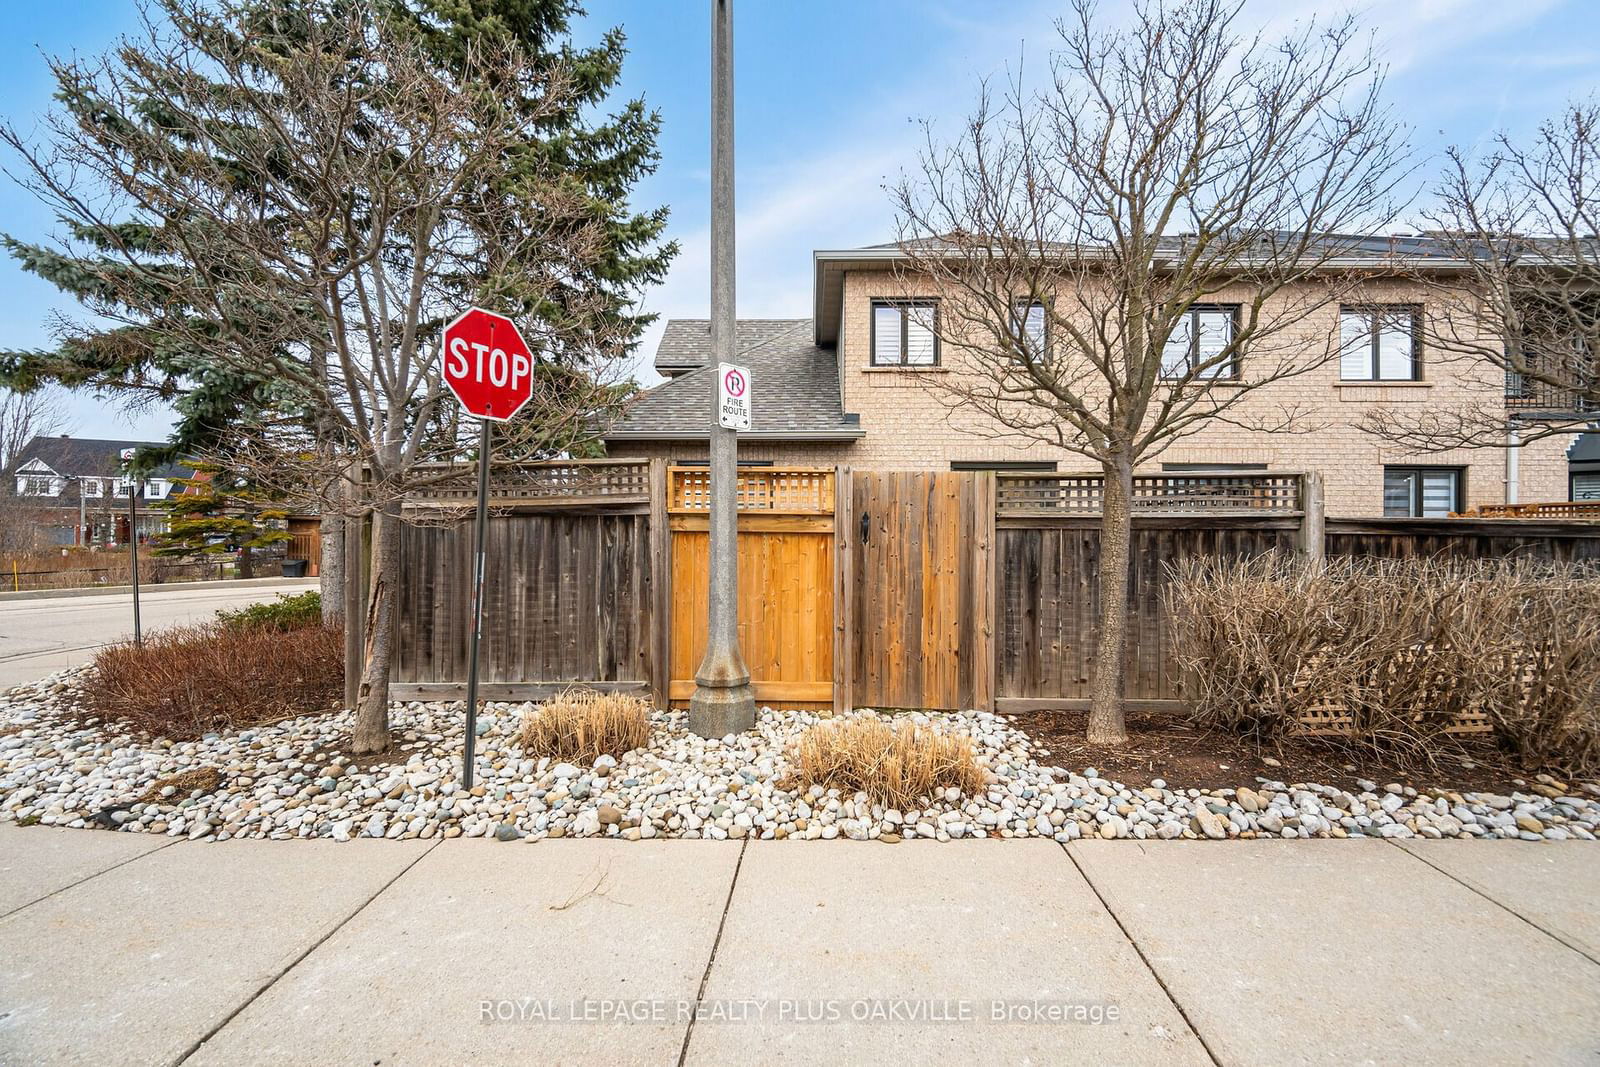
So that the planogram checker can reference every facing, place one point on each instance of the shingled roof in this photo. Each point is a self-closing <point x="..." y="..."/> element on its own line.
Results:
<point x="795" y="385"/>
<point x="74" y="457"/>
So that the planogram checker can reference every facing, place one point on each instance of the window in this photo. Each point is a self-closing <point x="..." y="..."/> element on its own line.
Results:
<point x="1028" y="323"/>
<point x="1211" y="468"/>
<point x="1378" y="344"/>
<point x="37" y="485"/>
<point x="89" y="486"/>
<point x="156" y="489"/>
<point x="904" y="333"/>
<point x="1426" y="492"/>
<point x="1586" y="486"/>
<point x="1197" y="342"/>
<point x="1002" y="465"/>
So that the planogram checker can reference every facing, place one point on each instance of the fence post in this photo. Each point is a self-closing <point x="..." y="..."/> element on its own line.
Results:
<point x="986" y="649"/>
<point x="844" y="668"/>
<point x="1313" y="520"/>
<point x="355" y="590"/>
<point x="660" y="639"/>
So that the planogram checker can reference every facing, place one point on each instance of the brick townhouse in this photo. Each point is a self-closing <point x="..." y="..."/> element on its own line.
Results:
<point x="857" y="384"/>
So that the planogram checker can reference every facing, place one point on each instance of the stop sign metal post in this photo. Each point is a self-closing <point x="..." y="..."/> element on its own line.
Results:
<point x="489" y="368"/>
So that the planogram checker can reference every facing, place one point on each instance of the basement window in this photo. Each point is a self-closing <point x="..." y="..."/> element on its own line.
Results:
<point x="1421" y="492"/>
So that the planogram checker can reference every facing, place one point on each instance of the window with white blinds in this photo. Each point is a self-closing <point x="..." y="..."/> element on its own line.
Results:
<point x="1421" y="492"/>
<point x="905" y="333"/>
<point x="1378" y="344"/>
<point x="1028" y="325"/>
<point x="1197" y="342"/>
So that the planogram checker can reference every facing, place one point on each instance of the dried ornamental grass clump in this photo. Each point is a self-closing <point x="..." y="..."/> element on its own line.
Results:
<point x="896" y="766"/>
<point x="581" y="724"/>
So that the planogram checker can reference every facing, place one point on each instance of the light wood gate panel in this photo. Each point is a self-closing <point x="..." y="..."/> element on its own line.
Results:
<point x="922" y="589"/>
<point x="786" y="583"/>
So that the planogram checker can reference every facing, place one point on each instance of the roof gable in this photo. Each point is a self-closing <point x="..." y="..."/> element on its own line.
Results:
<point x="93" y="456"/>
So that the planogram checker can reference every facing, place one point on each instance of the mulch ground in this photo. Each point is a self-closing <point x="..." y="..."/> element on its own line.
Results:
<point x="1191" y="757"/>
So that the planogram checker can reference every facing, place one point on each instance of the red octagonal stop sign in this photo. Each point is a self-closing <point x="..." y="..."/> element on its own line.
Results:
<point x="487" y="364"/>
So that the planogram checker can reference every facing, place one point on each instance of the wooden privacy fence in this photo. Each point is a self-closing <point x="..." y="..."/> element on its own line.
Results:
<point x="788" y="612"/>
<point x="940" y="590"/>
<point x="571" y="582"/>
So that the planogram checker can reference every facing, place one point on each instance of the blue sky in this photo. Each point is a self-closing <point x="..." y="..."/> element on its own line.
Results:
<point x="828" y="93"/>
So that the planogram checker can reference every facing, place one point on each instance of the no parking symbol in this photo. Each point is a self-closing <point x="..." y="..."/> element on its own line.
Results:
<point x="733" y="397"/>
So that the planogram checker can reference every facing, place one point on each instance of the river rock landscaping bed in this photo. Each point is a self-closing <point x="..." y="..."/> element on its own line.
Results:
<point x="292" y="780"/>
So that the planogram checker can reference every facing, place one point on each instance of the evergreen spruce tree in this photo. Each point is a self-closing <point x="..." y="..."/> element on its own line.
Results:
<point x="215" y="513"/>
<point x="271" y="208"/>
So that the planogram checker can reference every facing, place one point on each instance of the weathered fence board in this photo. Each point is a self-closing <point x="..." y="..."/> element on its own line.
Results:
<point x="922" y="589"/>
<point x="1464" y="538"/>
<point x="567" y="598"/>
<point x="1048" y="573"/>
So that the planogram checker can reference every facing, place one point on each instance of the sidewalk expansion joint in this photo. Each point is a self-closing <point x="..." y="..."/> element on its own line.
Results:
<point x="716" y="942"/>
<point x="89" y="877"/>
<point x="1503" y="907"/>
<point x="292" y="964"/>
<point x="1149" y="966"/>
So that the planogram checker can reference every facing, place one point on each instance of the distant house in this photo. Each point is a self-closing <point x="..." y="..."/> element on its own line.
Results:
<point x="75" y="487"/>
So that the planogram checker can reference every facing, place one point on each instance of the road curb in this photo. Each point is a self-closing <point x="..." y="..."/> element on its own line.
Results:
<point x="114" y="590"/>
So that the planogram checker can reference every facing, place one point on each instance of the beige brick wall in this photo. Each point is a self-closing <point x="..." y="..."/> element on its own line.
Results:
<point x="912" y="422"/>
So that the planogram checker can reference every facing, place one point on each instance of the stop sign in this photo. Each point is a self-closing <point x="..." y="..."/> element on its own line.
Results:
<point x="487" y="364"/>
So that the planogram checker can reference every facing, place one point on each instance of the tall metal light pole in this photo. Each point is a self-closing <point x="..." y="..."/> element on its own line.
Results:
<point x="724" y="701"/>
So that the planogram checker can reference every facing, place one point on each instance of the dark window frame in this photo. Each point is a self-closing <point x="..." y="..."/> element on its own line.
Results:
<point x="1193" y="313"/>
<point x="1036" y="466"/>
<point x="1582" y="469"/>
<point x="1458" y="494"/>
<point x="1374" y="314"/>
<point x="903" y="305"/>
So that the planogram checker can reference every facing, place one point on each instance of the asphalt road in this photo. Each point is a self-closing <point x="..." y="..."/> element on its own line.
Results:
<point x="40" y="636"/>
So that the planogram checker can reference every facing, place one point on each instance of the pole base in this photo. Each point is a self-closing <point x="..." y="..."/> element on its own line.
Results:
<point x="715" y="712"/>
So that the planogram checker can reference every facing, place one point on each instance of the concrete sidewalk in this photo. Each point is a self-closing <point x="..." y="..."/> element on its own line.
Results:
<point x="116" y="948"/>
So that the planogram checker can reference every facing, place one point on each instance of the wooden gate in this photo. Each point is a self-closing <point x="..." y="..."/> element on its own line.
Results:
<point x="922" y="589"/>
<point x="786" y="582"/>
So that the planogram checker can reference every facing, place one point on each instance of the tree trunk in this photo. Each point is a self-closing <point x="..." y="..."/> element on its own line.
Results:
<point x="247" y="563"/>
<point x="330" y="570"/>
<point x="1107" y="725"/>
<point x="372" y="701"/>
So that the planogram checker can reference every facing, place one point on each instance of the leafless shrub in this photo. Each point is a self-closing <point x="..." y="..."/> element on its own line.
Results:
<point x="581" y="724"/>
<point x="894" y="766"/>
<point x="188" y="680"/>
<point x="1396" y="653"/>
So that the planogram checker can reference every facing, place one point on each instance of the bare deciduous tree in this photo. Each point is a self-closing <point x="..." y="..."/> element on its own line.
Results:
<point x="1519" y="230"/>
<point x="23" y="416"/>
<point x="1165" y="167"/>
<point x="332" y="197"/>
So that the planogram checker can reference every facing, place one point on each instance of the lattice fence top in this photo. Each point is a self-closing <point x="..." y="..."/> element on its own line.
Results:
<point x="777" y="490"/>
<point x="597" y="481"/>
<point x="1033" y="493"/>
<point x="1558" y="509"/>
